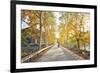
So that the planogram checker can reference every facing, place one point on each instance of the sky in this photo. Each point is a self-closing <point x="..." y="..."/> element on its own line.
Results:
<point x="24" y="23"/>
<point x="57" y="34"/>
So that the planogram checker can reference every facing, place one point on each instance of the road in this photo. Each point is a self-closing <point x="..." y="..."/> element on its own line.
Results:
<point x="56" y="54"/>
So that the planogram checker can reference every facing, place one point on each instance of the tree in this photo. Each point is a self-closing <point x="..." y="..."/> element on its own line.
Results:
<point x="48" y="26"/>
<point x="74" y="28"/>
<point x="41" y="26"/>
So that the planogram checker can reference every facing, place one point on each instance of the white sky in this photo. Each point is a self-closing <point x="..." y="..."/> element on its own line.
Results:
<point x="57" y="34"/>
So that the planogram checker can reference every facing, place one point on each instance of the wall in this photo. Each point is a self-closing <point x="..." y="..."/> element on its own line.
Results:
<point x="5" y="35"/>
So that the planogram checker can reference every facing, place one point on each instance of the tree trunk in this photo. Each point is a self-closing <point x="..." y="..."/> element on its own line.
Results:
<point x="84" y="46"/>
<point x="40" y="30"/>
<point x="78" y="44"/>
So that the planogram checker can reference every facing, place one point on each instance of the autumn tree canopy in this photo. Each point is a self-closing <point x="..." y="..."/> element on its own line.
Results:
<point x="73" y="28"/>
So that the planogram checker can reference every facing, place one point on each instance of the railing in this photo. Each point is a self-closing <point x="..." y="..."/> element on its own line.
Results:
<point x="34" y="54"/>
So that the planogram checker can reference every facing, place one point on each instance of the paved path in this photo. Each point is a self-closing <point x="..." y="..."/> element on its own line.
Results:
<point x="56" y="54"/>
